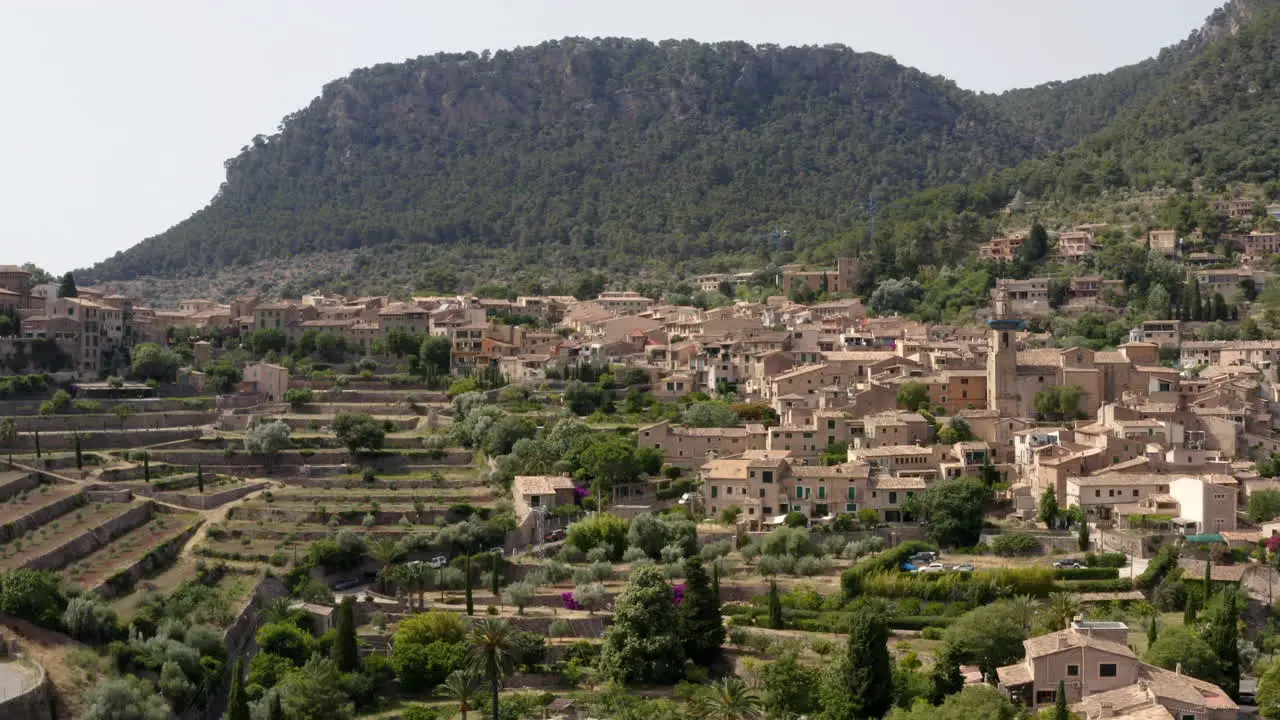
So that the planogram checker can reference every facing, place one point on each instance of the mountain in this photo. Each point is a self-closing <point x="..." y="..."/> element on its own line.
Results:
<point x="628" y="145"/>
<point x="623" y="155"/>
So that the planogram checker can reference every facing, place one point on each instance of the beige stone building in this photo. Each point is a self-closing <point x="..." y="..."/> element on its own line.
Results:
<point x="1103" y="678"/>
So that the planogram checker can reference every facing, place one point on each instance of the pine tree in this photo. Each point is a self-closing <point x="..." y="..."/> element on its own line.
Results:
<point x="237" y="701"/>
<point x="200" y="478"/>
<point x="471" y="608"/>
<point x="1060" y="709"/>
<point x="701" y="626"/>
<point x="860" y="684"/>
<point x="67" y="288"/>
<point x="775" y="606"/>
<point x="346" y="651"/>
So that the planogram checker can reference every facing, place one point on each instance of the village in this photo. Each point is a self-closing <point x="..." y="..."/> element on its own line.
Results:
<point x="306" y="450"/>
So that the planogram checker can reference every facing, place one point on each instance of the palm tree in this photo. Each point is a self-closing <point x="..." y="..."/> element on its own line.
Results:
<point x="492" y="651"/>
<point x="385" y="551"/>
<point x="462" y="686"/>
<point x="1024" y="609"/>
<point x="1063" y="607"/>
<point x="412" y="578"/>
<point x="278" y="610"/>
<point x="728" y="699"/>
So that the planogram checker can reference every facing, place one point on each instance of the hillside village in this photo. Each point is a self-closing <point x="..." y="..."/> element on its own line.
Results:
<point x="311" y="467"/>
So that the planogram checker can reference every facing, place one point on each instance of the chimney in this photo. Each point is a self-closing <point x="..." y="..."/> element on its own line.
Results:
<point x="1062" y="640"/>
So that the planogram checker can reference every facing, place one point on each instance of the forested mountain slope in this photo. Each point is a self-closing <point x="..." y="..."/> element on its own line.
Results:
<point x="629" y="145"/>
<point x="619" y="154"/>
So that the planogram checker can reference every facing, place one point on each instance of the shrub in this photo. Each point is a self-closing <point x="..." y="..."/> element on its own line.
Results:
<point x="1087" y="573"/>
<point x="89" y="619"/>
<point x="633" y="554"/>
<point x="1015" y="544"/>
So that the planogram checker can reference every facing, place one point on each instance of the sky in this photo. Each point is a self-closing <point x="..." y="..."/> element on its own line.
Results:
<point x="120" y="114"/>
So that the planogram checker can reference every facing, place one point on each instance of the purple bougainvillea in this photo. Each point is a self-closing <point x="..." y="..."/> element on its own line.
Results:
<point x="678" y="594"/>
<point x="569" y="602"/>
<point x="1273" y="543"/>
<point x="580" y="491"/>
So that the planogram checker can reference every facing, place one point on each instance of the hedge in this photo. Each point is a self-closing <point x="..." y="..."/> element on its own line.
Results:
<point x="1164" y="561"/>
<point x="1123" y="585"/>
<point x="1106" y="559"/>
<point x="1087" y="573"/>
<point x="919" y="622"/>
<point x="891" y="559"/>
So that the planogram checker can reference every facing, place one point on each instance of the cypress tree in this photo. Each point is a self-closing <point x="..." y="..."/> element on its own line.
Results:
<point x="494" y="585"/>
<point x="67" y="288"/>
<point x="1223" y="635"/>
<point x="38" y="445"/>
<point x="860" y="684"/>
<point x="237" y="701"/>
<point x="1060" y="709"/>
<point x="775" y="606"/>
<point x="1208" y="578"/>
<point x="200" y="478"/>
<point x="79" y="456"/>
<point x="701" y="626"/>
<point x="1152" y="632"/>
<point x="346" y="652"/>
<point x="715" y="579"/>
<point x="274" y="711"/>
<point x="946" y="678"/>
<point x="471" y="608"/>
<point x="1082" y="535"/>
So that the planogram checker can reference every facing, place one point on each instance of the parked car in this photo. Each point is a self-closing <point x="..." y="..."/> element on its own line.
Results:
<point x="346" y="585"/>
<point x="936" y="567"/>
<point x="964" y="567"/>
<point x="555" y="535"/>
<point x="438" y="562"/>
<point x="1067" y="564"/>
<point x="923" y="558"/>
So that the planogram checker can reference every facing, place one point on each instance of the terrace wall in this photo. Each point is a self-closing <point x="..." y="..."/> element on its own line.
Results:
<point x="103" y="440"/>
<point x="84" y="423"/>
<point x="39" y="516"/>
<point x="239" y="637"/>
<point x="29" y="481"/>
<point x="90" y="540"/>
<point x="209" y="500"/>
<point x="161" y="556"/>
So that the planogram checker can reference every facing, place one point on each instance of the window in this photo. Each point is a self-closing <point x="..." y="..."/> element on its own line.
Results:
<point x="893" y="498"/>
<point x="822" y="492"/>
<point x="715" y="491"/>
<point x="852" y="494"/>
<point x="1044" y="697"/>
<point x="851" y="507"/>
<point x="1107" y="670"/>
<point x="1073" y="671"/>
<point x="535" y="500"/>
<point x="1135" y="492"/>
<point x="761" y="492"/>
<point x="766" y="476"/>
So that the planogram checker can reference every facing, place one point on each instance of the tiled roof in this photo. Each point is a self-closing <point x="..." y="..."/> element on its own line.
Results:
<point x="1055" y="642"/>
<point x="540" y="484"/>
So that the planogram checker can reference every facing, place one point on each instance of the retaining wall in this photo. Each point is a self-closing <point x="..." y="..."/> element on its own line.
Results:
<point x="239" y="638"/>
<point x="34" y="519"/>
<point x="103" y="440"/>
<point x="92" y="539"/>
<point x="209" y="500"/>
<point x="27" y="481"/>
<point x="87" y="423"/>
<point x="34" y="703"/>
<point x="161" y="556"/>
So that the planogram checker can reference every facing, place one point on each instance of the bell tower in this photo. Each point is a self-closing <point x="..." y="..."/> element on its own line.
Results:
<point x="1002" y="356"/>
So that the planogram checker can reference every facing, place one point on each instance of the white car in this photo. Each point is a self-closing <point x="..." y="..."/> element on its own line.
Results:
<point x="438" y="562"/>
<point x="936" y="567"/>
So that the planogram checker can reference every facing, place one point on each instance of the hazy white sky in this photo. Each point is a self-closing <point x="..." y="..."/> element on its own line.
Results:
<point x="120" y="114"/>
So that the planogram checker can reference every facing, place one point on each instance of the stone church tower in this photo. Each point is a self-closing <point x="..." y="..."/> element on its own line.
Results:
<point x="1002" y="356"/>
